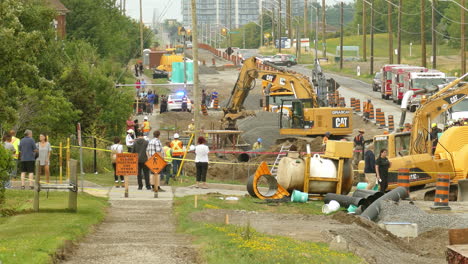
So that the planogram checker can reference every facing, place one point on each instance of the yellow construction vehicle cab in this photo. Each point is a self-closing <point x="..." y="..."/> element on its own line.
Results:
<point x="414" y="150"/>
<point x="305" y="118"/>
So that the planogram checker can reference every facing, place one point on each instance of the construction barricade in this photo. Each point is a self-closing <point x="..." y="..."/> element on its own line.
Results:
<point x="403" y="178"/>
<point x="441" y="199"/>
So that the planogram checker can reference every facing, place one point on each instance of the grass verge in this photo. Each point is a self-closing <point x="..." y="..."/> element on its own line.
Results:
<point x="27" y="237"/>
<point x="233" y="244"/>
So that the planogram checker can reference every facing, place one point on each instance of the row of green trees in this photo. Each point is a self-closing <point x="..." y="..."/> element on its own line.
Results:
<point x="49" y="85"/>
<point x="252" y="30"/>
<point x="447" y="19"/>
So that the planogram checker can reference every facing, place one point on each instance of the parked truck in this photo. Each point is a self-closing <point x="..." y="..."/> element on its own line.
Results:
<point x="422" y="80"/>
<point x="385" y="88"/>
<point x="399" y="75"/>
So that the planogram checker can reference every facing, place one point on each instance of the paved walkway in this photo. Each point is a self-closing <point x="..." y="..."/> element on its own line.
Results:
<point x="141" y="229"/>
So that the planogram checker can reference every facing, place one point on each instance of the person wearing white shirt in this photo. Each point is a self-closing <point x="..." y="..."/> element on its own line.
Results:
<point x="117" y="148"/>
<point x="201" y="162"/>
<point x="130" y="139"/>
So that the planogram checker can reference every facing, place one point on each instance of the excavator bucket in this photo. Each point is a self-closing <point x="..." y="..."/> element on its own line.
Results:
<point x="275" y="191"/>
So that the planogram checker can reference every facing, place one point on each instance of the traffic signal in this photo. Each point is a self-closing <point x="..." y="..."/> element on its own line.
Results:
<point x="189" y="32"/>
<point x="224" y="31"/>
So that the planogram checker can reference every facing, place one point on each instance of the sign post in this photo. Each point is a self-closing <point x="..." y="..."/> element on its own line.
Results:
<point x="156" y="164"/>
<point x="127" y="165"/>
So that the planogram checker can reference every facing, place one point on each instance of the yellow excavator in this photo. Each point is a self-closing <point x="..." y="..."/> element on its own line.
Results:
<point x="414" y="150"/>
<point x="292" y="93"/>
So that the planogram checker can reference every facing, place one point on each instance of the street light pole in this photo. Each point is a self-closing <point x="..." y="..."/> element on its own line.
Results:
<point x="196" y="95"/>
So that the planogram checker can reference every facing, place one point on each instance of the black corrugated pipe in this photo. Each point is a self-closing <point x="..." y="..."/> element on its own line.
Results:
<point x="373" y="211"/>
<point x="365" y="202"/>
<point x="343" y="200"/>
<point x="363" y="193"/>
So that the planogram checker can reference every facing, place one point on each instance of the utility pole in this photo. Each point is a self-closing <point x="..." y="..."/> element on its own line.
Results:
<point x="279" y="27"/>
<point x="434" y="38"/>
<point x="261" y="27"/>
<point x="298" y="43"/>
<point x="462" y="39"/>
<point x="288" y="19"/>
<point x="243" y="38"/>
<point x="364" y="31"/>
<point x="124" y="7"/>
<point x="305" y="19"/>
<point x="230" y="23"/>
<point x="141" y="29"/>
<point x="399" y="32"/>
<point x="390" y="32"/>
<point x="316" y="33"/>
<point x="324" y="28"/>
<point x="423" y="35"/>
<point x="372" y="38"/>
<point x="196" y="95"/>
<point x="273" y="27"/>
<point x="341" y="35"/>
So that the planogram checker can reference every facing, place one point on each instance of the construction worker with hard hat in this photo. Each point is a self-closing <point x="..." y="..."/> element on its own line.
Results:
<point x="434" y="136"/>
<point x="146" y="127"/>
<point x="177" y="153"/>
<point x="359" y="146"/>
<point x="258" y="144"/>
<point x="367" y="109"/>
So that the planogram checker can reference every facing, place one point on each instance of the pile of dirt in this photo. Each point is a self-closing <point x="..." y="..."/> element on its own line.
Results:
<point x="432" y="243"/>
<point x="207" y="70"/>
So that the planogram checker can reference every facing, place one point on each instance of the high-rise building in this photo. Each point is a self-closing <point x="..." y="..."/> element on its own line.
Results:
<point x="236" y="13"/>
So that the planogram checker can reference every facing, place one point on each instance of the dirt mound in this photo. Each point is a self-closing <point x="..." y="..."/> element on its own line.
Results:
<point x="432" y="243"/>
<point x="207" y="70"/>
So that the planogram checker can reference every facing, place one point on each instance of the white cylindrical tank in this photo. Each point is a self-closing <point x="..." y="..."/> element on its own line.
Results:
<point x="322" y="168"/>
<point x="291" y="172"/>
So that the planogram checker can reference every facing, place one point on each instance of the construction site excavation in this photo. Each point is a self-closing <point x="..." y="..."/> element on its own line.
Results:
<point x="234" y="132"/>
<point x="295" y="135"/>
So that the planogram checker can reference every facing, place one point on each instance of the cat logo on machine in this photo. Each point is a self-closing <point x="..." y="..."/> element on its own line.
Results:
<point x="282" y="81"/>
<point x="269" y="77"/>
<point x="340" y="122"/>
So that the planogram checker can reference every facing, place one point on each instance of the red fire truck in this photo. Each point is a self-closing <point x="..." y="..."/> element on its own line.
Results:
<point x="386" y="89"/>
<point x="399" y="75"/>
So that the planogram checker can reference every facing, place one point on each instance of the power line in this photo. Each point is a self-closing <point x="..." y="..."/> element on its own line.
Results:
<point x="453" y="21"/>
<point x="449" y="37"/>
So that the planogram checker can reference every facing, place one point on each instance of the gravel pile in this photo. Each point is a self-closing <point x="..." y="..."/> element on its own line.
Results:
<point x="404" y="211"/>
<point x="264" y="125"/>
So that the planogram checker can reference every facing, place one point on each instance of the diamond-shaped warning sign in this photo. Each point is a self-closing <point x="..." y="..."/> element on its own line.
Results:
<point x="156" y="163"/>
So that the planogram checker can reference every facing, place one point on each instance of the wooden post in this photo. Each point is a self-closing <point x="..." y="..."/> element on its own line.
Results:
<point x="195" y="202"/>
<point x="68" y="159"/>
<point x="36" y="189"/>
<point x="60" y="163"/>
<point x="156" y="185"/>
<point x="126" y="186"/>
<point x="226" y="219"/>
<point x="73" y="194"/>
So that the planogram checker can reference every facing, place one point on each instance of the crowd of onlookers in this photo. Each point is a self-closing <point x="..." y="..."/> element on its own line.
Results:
<point x="25" y="153"/>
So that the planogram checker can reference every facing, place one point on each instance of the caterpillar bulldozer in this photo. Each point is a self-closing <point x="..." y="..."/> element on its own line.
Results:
<point x="415" y="149"/>
<point x="294" y="95"/>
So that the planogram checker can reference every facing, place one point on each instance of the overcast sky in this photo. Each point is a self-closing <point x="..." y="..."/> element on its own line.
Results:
<point x="173" y="8"/>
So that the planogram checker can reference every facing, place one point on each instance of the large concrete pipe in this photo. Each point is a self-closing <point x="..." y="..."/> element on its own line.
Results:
<point x="373" y="211"/>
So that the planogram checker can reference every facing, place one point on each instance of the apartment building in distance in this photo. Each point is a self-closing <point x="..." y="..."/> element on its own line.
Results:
<point x="236" y="13"/>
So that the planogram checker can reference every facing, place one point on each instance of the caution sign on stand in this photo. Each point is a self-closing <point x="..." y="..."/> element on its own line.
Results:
<point x="156" y="163"/>
<point x="127" y="164"/>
